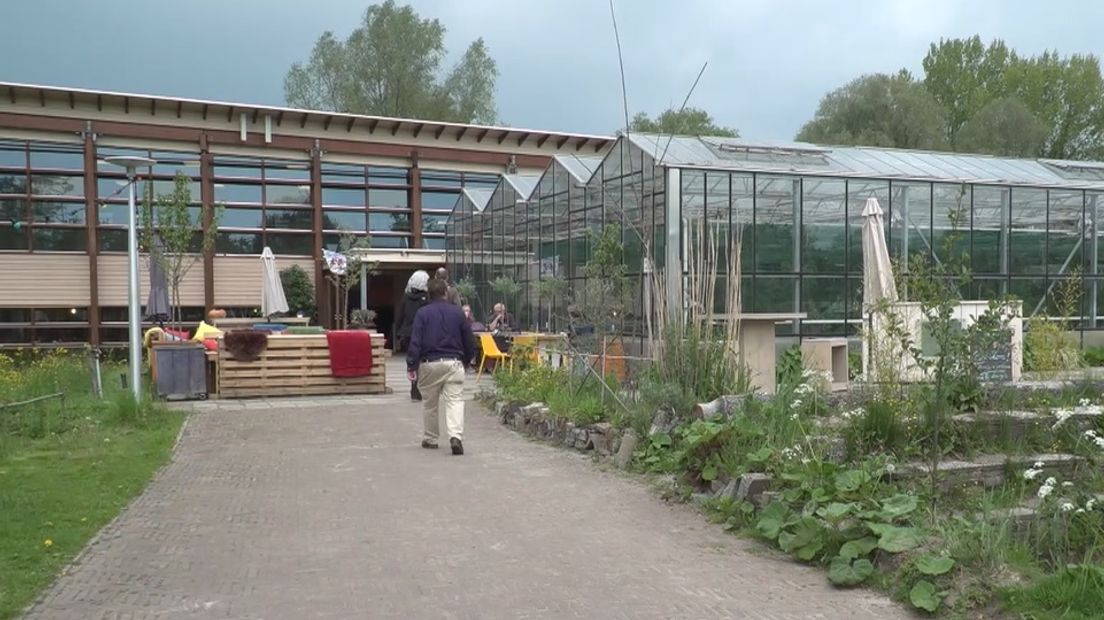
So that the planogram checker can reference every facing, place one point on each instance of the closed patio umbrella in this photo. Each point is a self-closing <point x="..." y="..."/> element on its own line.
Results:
<point x="877" y="278"/>
<point x="158" y="308"/>
<point x="272" y="290"/>
<point x="877" y="271"/>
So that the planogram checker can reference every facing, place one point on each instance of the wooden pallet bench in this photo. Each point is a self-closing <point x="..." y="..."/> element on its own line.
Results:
<point x="296" y="366"/>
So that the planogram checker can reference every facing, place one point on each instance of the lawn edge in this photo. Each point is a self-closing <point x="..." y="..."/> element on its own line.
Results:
<point x="40" y="598"/>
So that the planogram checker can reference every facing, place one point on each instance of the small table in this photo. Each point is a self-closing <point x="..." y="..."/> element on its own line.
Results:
<point x="756" y="347"/>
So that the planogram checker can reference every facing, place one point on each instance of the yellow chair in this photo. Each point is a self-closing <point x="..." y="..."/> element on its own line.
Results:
<point x="490" y="350"/>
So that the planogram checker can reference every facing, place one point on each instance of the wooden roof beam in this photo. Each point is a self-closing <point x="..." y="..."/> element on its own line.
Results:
<point x="326" y="123"/>
<point x="482" y="134"/>
<point x="205" y="106"/>
<point x="418" y="129"/>
<point x="349" y="125"/>
<point x="460" y="134"/>
<point x="72" y="101"/>
<point x="440" y="130"/>
<point x="279" y="117"/>
<point x="372" y="125"/>
<point x="543" y="139"/>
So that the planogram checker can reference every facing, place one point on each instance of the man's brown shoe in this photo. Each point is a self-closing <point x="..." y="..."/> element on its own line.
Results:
<point x="428" y="445"/>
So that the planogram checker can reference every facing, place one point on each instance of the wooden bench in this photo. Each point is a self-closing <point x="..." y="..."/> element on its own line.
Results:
<point x="296" y="366"/>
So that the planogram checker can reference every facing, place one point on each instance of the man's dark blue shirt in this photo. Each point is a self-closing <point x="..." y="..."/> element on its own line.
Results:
<point x="440" y="332"/>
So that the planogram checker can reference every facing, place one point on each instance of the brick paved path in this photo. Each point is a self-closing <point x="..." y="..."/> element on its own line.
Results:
<point x="331" y="510"/>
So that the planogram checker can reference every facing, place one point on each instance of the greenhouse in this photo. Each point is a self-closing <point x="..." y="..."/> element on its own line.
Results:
<point x="794" y="210"/>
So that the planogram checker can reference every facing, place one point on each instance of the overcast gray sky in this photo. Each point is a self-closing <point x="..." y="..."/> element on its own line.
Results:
<point x="769" y="62"/>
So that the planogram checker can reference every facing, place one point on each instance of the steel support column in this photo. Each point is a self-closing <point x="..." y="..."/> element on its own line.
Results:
<point x="91" y="220"/>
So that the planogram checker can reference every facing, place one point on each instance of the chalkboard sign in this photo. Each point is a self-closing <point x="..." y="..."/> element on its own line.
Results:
<point x="994" y="362"/>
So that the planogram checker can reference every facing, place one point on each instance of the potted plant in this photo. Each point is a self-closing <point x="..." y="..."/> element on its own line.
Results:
<point x="362" y="319"/>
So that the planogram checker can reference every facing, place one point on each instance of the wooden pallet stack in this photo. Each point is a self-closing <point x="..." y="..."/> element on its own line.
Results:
<point x="296" y="366"/>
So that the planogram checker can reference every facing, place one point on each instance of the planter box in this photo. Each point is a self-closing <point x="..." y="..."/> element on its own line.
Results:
<point x="179" y="369"/>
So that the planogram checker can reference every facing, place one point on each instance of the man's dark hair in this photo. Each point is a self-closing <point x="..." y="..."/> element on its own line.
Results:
<point x="442" y="274"/>
<point x="437" y="289"/>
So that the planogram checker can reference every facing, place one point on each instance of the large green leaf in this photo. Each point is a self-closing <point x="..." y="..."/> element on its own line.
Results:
<point x="934" y="564"/>
<point x="851" y="480"/>
<point x="898" y="506"/>
<point x="709" y="472"/>
<point x="896" y="539"/>
<point x="761" y="455"/>
<point x="924" y="596"/>
<point x="771" y="520"/>
<point x="806" y="530"/>
<point x="843" y="572"/>
<point x="858" y="548"/>
<point x="836" y="510"/>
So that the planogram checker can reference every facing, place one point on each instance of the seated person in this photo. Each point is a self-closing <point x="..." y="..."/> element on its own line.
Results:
<point x="475" y="326"/>
<point x="500" y="321"/>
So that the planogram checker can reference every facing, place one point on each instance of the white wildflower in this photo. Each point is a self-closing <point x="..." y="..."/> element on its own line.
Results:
<point x="1047" y="488"/>
<point x="1067" y="484"/>
<point x="1089" y="505"/>
<point x="1030" y="474"/>
<point x="1061" y="415"/>
<point x="796" y="404"/>
<point x="1084" y="402"/>
<point x="793" y="416"/>
<point x="1066" y="507"/>
<point x="1039" y="464"/>
<point x="1051" y="481"/>
<point x="1079" y="511"/>
<point x="806" y="461"/>
<point x="890" y="468"/>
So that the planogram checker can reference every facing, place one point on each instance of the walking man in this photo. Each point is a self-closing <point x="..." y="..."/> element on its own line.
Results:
<point x="453" y="295"/>
<point x="441" y="345"/>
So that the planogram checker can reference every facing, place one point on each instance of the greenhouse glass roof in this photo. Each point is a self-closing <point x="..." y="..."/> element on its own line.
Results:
<point x="866" y="162"/>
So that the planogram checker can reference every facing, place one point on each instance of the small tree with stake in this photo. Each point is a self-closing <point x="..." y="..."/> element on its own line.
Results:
<point x="343" y="283"/>
<point x="173" y="238"/>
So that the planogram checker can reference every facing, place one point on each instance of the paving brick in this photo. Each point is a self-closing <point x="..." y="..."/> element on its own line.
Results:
<point x="334" y="511"/>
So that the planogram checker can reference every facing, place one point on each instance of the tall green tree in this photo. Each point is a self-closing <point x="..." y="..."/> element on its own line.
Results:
<point x="964" y="75"/>
<point x="1003" y="127"/>
<point x="879" y="110"/>
<point x="685" y="122"/>
<point x="1065" y="94"/>
<point x="391" y="66"/>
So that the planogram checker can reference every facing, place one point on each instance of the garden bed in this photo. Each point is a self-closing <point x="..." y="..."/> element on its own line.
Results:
<point x="846" y="482"/>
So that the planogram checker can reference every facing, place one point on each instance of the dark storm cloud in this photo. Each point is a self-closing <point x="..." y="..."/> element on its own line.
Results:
<point x="769" y="62"/>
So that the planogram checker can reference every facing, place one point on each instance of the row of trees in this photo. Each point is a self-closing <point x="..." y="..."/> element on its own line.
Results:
<point x="972" y="97"/>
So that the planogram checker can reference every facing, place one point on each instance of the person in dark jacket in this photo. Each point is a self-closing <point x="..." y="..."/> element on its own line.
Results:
<point x="414" y="298"/>
<point x="441" y="345"/>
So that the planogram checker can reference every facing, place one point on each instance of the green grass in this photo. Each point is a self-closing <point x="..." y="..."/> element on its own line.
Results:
<point x="1075" y="593"/>
<point x="66" y="470"/>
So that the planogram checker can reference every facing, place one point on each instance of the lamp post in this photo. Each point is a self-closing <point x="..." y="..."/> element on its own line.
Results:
<point x="131" y="164"/>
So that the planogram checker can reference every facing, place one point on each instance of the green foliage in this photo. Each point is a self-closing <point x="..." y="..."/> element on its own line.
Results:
<point x="67" y="467"/>
<point x="1073" y="593"/>
<point x="879" y="428"/>
<point x="686" y="122"/>
<point x="506" y="290"/>
<point x="1049" y="346"/>
<point x="298" y="290"/>
<point x="924" y="596"/>
<point x="1093" y="356"/>
<point x="467" y="290"/>
<point x="934" y="565"/>
<point x="789" y="367"/>
<point x="840" y="516"/>
<point x="974" y="98"/>
<point x="390" y="65"/>
<point x="879" y="110"/>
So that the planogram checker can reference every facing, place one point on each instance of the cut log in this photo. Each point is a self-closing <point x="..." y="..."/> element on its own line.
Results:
<point x="722" y="406"/>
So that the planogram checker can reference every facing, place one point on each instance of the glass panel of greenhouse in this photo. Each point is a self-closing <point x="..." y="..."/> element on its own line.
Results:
<point x="793" y="211"/>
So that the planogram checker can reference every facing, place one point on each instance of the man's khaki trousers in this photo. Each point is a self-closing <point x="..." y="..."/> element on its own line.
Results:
<point x="442" y="387"/>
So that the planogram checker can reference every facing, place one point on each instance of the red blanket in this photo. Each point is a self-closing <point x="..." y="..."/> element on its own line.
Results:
<point x="350" y="353"/>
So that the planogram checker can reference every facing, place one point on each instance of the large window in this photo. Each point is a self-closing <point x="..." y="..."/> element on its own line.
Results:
<point x="42" y="189"/>
<point x="157" y="180"/>
<point x="267" y="203"/>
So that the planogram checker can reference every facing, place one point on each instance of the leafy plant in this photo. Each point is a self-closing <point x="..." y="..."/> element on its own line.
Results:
<point x="174" y="239"/>
<point x="467" y="290"/>
<point x="298" y="290"/>
<point x="924" y="596"/>
<point x="506" y="290"/>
